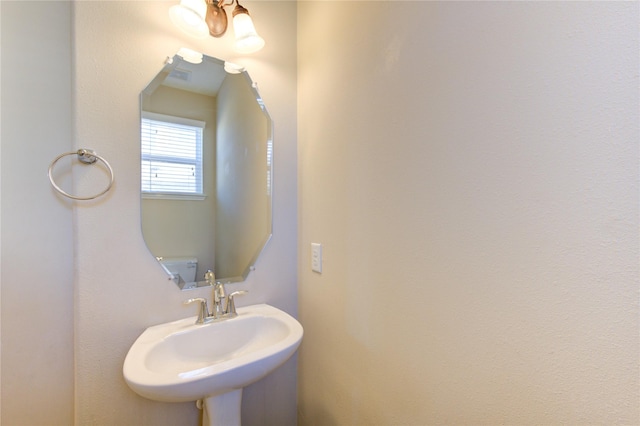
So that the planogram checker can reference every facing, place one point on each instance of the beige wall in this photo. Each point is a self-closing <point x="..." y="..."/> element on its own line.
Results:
<point x="471" y="170"/>
<point x="83" y="91"/>
<point x="121" y="289"/>
<point x="37" y="233"/>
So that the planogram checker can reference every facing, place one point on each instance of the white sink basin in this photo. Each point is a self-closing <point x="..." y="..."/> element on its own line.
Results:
<point x="181" y="361"/>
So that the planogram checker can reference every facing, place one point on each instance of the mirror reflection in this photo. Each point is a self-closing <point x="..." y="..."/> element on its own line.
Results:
<point x="206" y="171"/>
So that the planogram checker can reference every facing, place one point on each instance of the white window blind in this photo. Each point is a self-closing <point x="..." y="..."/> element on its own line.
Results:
<point x="171" y="155"/>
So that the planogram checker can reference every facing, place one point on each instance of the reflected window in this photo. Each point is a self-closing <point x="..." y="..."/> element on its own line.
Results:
<point x="171" y="155"/>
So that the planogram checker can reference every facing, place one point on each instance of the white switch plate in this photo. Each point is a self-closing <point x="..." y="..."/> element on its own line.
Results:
<point x="316" y="257"/>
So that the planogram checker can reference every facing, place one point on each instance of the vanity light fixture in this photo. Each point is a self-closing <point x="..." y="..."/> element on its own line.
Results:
<point x="197" y="17"/>
<point x="247" y="39"/>
<point x="189" y="17"/>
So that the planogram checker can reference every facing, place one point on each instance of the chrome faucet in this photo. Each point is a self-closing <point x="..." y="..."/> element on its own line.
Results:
<point x="209" y="277"/>
<point x="224" y="306"/>
<point x="218" y="296"/>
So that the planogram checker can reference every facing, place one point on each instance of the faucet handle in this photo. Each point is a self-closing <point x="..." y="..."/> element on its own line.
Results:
<point x="231" y="304"/>
<point x="203" y="310"/>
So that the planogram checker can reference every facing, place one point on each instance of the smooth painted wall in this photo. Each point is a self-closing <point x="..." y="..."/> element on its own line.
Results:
<point x="37" y="270"/>
<point x="471" y="169"/>
<point x="121" y="290"/>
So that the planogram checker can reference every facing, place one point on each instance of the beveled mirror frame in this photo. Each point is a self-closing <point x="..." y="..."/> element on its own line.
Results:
<point x="243" y="131"/>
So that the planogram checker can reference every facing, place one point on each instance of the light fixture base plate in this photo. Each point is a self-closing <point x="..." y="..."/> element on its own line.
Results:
<point x="216" y="19"/>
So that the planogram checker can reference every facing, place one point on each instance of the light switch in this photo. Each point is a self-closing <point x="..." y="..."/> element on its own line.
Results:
<point x="316" y="257"/>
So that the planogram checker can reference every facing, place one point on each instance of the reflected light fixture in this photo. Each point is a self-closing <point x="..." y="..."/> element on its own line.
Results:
<point x="190" y="55"/>
<point x="232" y="68"/>
<point x="197" y="17"/>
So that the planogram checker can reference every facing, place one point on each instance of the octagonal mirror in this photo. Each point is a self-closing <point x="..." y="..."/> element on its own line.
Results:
<point x="206" y="171"/>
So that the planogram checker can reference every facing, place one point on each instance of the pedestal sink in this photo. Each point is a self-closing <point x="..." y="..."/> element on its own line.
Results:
<point x="182" y="361"/>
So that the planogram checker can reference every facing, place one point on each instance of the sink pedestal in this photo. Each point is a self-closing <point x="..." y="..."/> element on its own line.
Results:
<point x="222" y="410"/>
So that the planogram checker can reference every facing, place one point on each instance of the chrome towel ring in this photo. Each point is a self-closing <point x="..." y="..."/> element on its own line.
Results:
<point x="85" y="156"/>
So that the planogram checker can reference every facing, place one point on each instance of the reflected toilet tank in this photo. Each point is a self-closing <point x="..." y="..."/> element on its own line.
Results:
<point x="183" y="266"/>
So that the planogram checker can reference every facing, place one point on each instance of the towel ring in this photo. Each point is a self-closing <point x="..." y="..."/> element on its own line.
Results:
<point x="85" y="156"/>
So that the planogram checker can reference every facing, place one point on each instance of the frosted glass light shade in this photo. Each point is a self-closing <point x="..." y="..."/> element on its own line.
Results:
<point x="189" y="17"/>
<point x="247" y="39"/>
